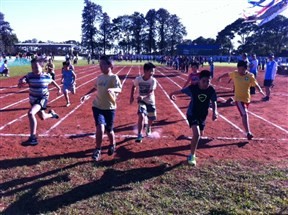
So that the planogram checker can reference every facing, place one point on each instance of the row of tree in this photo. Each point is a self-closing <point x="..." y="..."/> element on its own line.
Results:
<point x="156" y="32"/>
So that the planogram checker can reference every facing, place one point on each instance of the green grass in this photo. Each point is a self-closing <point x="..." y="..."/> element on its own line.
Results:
<point x="70" y="186"/>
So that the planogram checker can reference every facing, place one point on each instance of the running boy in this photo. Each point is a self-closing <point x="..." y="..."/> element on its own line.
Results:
<point x="4" y="69"/>
<point x="108" y="86"/>
<point x="193" y="77"/>
<point x="38" y="82"/>
<point x="50" y="68"/>
<point x="201" y="94"/>
<point x="243" y="80"/>
<point x="146" y="99"/>
<point x="68" y="81"/>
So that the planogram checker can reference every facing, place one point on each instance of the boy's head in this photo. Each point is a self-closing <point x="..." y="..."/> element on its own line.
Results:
<point x="106" y="64"/>
<point x="194" y="66"/>
<point x="205" y="78"/>
<point x="242" y="66"/>
<point x="36" y="65"/>
<point x="149" y="67"/>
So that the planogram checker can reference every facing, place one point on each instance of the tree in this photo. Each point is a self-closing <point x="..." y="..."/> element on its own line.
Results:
<point x="138" y="26"/>
<point x="91" y="15"/>
<point x="162" y="17"/>
<point x="203" y="41"/>
<point x="176" y="32"/>
<point x="105" y="33"/>
<point x="150" y="41"/>
<point x="7" y="37"/>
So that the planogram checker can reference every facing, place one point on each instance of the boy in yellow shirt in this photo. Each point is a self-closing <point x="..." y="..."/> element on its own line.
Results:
<point x="108" y="86"/>
<point x="243" y="80"/>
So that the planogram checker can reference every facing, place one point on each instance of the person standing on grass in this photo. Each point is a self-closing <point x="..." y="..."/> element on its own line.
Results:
<point x="4" y="69"/>
<point x="243" y="80"/>
<point x="146" y="99"/>
<point x="68" y="81"/>
<point x="270" y="74"/>
<point x="193" y="77"/>
<point x="253" y="68"/>
<point x="108" y="86"/>
<point x="50" y="68"/>
<point x="201" y="94"/>
<point x="38" y="82"/>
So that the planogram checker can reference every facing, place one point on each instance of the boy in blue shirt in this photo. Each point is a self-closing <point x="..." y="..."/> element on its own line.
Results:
<point x="201" y="94"/>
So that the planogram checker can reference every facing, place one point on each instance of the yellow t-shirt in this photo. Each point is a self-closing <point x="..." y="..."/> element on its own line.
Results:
<point x="242" y="84"/>
<point x="105" y="100"/>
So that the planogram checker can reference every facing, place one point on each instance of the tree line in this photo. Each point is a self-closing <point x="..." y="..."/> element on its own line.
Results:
<point x="159" y="32"/>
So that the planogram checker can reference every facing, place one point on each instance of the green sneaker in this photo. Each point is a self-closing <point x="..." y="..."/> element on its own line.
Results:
<point x="148" y="131"/>
<point x="192" y="160"/>
<point x="139" y="138"/>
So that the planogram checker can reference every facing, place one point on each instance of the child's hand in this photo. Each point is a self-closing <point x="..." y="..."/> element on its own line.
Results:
<point x="84" y="98"/>
<point x="215" y="116"/>
<point x="172" y="97"/>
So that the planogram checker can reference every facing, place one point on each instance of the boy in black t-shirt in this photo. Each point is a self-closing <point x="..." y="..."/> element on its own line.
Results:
<point x="201" y="95"/>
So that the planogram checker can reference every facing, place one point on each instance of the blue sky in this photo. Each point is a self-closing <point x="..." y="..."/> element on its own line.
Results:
<point x="60" y="20"/>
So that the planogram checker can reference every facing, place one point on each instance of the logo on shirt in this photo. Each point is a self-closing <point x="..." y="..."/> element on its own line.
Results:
<point x="202" y="97"/>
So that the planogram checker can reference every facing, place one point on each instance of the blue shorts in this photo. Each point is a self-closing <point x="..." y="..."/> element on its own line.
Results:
<point x="39" y="101"/>
<point x="104" y="117"/>
<point x="196" y="121"/>
<point x="147" y="110"/>
<point x="268" y="83"/>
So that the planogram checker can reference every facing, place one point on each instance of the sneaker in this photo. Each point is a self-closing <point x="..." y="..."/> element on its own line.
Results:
<point x="96" y="155"/>
<point x="32" y="141"/>
<point x="249" y="136"/>
<point x="230" y="101"/>
<point x="139" y="139"/>
<point x="148" y="131"/>
<point x="265" y="99"/>
<point x="68" y="104"/>
<point x="192" y="160"/>
<point x="54" y="115"/>
<point x="111" y="150"/>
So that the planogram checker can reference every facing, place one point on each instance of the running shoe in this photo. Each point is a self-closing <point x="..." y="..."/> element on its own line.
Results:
<point x="111" y="150"/>
<point x="32" y="141"/>
<point x="148" y="131"/>
<point x="96" y="155"/>
<point x="54" y="115"/>
<point x="265" y="99"/>
<point x="68" y="104"/>
<point x="139" y="138"/>
<point x="249" y="136"/>
<point x="192" y="160"/>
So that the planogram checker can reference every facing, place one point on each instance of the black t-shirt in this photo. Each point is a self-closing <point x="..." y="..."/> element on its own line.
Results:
<point x="200" y="100"/>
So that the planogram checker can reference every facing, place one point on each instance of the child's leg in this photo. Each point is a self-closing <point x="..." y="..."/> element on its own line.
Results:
<point x="244" y="114"/>
<point x="66" y="96"/>
<point x="195" y="138"/>
<point x="32" y="118"/>
<point x="100" y="129"/>
<point x="140" y="122"/>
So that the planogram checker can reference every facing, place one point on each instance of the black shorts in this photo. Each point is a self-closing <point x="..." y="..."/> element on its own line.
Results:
<point x="196" y="121"/>
<point x="39" y="101"/>
<point x="104" y="117"/>
<point x="268" y="83"/>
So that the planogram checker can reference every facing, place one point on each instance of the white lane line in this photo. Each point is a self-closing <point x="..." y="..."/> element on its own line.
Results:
<point x="23" y="100"/>
<point x="71" y="112"/>
<point x="15" y="120"/>
<point x="231" y="123"/>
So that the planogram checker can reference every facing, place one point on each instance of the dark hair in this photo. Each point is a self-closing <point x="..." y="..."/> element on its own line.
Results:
<point x="34" y="60"/>
<point x="195" y="63"/>
<point x="205" y="74"/>
<point x="148" y="66"/>
<point x="242" y="63"/>
<point x="245" y="54"/>
<point x="107" y="59"/>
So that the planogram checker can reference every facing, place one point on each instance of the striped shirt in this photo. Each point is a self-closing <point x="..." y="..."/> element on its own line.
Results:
<point x="38" y="85"/>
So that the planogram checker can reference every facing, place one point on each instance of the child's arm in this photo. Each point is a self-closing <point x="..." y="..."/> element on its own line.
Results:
<point x="214" y="109"/>
<point x="172" y="95"/>
<point x="133" y="89"/>
<point x="259" y="88"/>
<point x="87" y="95"/>
<point x="22" y="81"/>
<point x="74" y="77"/>
<point x="223" y="76"/>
